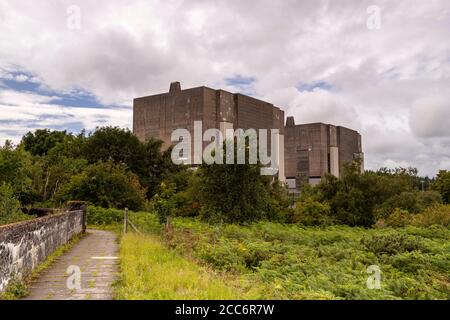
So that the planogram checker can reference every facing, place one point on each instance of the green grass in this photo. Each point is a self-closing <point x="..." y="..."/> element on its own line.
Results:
<point x="150" y="271"/>
<point x="14" y="218"/>
<point x="283" y="261"/>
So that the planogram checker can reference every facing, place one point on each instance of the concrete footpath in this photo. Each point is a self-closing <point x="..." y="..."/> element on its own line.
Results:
<point x="86" y="272"/>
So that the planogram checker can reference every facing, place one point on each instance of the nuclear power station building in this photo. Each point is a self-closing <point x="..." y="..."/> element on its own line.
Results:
<point x="314" y="149"/>
<point x="306" y="151"/>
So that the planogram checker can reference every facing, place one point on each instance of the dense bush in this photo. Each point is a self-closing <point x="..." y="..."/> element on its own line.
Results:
<point x="413" y="202"/>
<point x="435" y="215"/>
<point x="361" y="199"/>
<point x="391" y="244"/>
<point x="122" y="147"/>
<point x="107" y="185"/>
<point x="442" y="185"/>
<point x="163" y="203"/>
<point x="397" y="218"/>
<point x="10" y="206"/>
<point x="101" y="216"/>
<point x="233" y="193"/>
<point x="287" y="261"/>
<point x="312" y="213"/>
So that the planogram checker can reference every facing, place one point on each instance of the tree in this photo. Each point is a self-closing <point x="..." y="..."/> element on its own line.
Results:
<point x="410" y="201"/>
<point x="442" y="185"/>
<point x="355" y="197"/>
<point x="15" y="167"/>
<point x="233" y="192"/>
<point x="122" y="147"/>
<point x="9" y="205"/>
<point x="42" y="140"/>
<point x="107" y="185"/>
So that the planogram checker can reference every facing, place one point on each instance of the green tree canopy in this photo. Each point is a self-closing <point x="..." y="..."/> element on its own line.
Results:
<point x="354" y="197"/>
<point x="42" y="140"/>
<point x="442" y="185"/>
<point x="234" y="192"/>
<point x="107" y="185"/>
<point x="122" y="147"/>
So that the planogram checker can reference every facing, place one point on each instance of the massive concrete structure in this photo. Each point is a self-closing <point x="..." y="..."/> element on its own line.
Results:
<point x="159" y="115"/>
<point x="314" y="149"/>
<point x="306" y="151"/>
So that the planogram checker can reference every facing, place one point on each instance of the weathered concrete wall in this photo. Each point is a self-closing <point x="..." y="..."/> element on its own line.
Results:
<point x="159" y="115"/>
<point x="314" y="149"/>
<point x="24" y="245"/>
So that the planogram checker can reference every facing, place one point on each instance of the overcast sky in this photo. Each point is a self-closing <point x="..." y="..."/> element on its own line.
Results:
<point x="327" y="61"/>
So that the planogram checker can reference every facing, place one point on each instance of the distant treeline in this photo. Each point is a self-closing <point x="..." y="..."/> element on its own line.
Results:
<point x="111" y="168"/>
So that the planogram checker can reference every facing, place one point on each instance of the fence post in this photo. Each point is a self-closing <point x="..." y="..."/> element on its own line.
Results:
<point x="84" y="209"/>
<point x="125" y="221"/>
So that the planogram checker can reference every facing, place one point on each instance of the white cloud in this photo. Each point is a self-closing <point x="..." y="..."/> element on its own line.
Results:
<point x="382" y="80"/>
<point x="430" y="117"/>
<point x="21" y="78"/>
<point x="22" y="112"/>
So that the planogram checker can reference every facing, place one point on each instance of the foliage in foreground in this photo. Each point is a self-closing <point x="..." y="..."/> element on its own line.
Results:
<point x="152" y="272"/>
<point x="295" y="262"/>
<point x="287" y="261"/>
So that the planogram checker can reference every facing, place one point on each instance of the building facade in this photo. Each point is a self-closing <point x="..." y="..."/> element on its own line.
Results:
<point x="159" y="115"/>
<point x="315" y="149"/>
<point x="306" y="152"/>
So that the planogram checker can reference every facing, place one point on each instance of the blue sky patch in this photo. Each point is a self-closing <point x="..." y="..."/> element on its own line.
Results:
<point x="239" y="80"/>
<point x="242" y="84"/>
<point x="25" y="82"/>
<point x="311" y="86"/>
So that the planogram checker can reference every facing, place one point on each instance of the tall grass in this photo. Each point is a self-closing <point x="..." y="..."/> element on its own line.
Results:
<point x="150" y="271"/>
<point x="195" y="260"/>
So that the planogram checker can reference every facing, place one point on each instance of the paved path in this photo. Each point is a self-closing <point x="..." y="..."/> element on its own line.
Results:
<point x="96" y="256"/>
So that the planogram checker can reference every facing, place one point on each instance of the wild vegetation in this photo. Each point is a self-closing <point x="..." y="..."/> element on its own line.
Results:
<point x="151" y="271"/>
<point x="268" y="260"/>
<point x="109" y="167"/>
<point x="237" y="232"/>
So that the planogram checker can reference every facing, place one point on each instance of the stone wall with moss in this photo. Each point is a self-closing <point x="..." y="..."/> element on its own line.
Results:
<point x="24" y="245"/>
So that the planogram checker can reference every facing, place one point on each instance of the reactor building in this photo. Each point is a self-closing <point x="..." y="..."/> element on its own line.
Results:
<point x="306" y="151"/>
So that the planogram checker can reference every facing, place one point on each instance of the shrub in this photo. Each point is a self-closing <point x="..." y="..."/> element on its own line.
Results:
<point x="10" y="206"/>
<point x="436" y="215"/>
<point x="121" y="146"/>
<point x="163" y="203"/>
<point x="398" y="218"/>
<point x="101" y="216"/>
<point x="312" y="213"/>
<point x="107" y="185"/>
<point x="413" y="202"/>
<point x="391" y="244"/>
<point x="442" y="185"/>
<point x="355" y="197"/>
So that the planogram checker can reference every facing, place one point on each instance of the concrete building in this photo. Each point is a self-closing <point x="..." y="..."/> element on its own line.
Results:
<point x="306" y="151"/>
<point x="159" y="115"/>
<point x="314" y="149"/>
